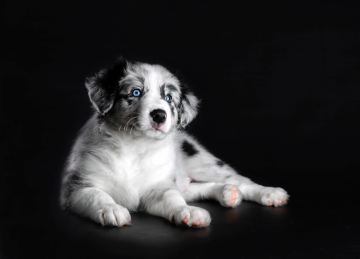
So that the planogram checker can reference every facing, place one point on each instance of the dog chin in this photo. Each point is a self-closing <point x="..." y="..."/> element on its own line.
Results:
<point x="156" y="134"/>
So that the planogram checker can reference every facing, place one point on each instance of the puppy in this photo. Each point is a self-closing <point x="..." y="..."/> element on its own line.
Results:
<point x="133" y="154"/>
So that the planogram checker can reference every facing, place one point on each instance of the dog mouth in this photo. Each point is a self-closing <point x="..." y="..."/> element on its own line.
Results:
<point x="157" y="127"/>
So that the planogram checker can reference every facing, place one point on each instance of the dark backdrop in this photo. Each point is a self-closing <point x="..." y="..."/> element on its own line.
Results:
<point x="279" y="84"/>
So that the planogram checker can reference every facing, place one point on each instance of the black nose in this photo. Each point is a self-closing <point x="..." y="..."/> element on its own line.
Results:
<point x="158" y="115"/>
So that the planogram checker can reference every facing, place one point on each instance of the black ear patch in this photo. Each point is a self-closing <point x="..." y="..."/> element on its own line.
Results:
<point x="102" y="87"/>
<point x="188" y="108"/>
<point x="189" y="148"/>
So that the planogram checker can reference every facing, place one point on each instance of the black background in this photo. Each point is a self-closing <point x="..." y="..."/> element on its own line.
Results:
<point x="280" y="90"/>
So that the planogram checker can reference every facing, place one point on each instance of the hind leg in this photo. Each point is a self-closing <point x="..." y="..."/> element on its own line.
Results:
<point x="268" y="196"/>
<point x="202" y="166"/>
<point x="228" y="195"/>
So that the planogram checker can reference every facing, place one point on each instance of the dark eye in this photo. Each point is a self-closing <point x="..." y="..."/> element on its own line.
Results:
<point x="136" y="93"/>
<point x="168" y="98"/>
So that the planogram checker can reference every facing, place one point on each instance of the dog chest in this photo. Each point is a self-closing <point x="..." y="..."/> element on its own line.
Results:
<point x="143" y="166"/>
<point x="134" y="169"/>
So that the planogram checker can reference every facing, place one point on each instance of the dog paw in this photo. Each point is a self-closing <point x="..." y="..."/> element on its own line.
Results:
<point x="274" y="197"/>
<point x="113" y="215"/>
<point x="230" y="196"/>
<point x="192" y="217"/>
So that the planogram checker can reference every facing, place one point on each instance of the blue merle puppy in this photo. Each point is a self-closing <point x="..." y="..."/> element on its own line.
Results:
<point x="133" y="154"/>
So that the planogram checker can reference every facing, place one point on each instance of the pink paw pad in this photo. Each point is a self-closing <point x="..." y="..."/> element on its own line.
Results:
<point x="276" y="197"/>
<point x="196" y="223"/>
<point x="230" y="196"/>
<point x="185" y="220"/>
<point x="233" y="195"/>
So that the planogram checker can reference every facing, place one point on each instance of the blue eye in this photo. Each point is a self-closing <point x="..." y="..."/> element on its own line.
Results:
<point x="136" y="93"/>
<point x="168" y="98"/>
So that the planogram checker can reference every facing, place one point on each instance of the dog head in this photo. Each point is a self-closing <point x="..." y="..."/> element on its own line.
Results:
<point x="140" y="98"/>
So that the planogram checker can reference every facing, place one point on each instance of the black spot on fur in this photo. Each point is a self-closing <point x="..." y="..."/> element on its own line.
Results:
<point x="228" y="176"/>
<point x="171" y="88"/>
<point x="189" y="148"/>
<point x="162" y="91"/>
<point x="180" y="113"/>
<point x="125" y="97"/>
<point x="122" y="96"/>
<point x="220" y="163"/>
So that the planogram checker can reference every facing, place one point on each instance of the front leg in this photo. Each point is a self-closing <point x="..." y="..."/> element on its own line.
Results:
<point x="170" y="204"/>
<point x="99" y="206"/>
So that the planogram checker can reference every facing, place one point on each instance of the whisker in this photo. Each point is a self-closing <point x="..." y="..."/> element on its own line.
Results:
<point x="133" y="127"/>
<point x="122" y="123"/>
<point x="127" y="124"/>
<point x="126" y="118"/>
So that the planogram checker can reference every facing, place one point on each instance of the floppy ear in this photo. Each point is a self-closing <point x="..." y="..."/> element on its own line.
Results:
<point x="188" y="106"/>
<point x="102" y="87"/>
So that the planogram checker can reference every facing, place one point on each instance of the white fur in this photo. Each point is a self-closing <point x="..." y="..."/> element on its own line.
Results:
<point x="113" y="170"/>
